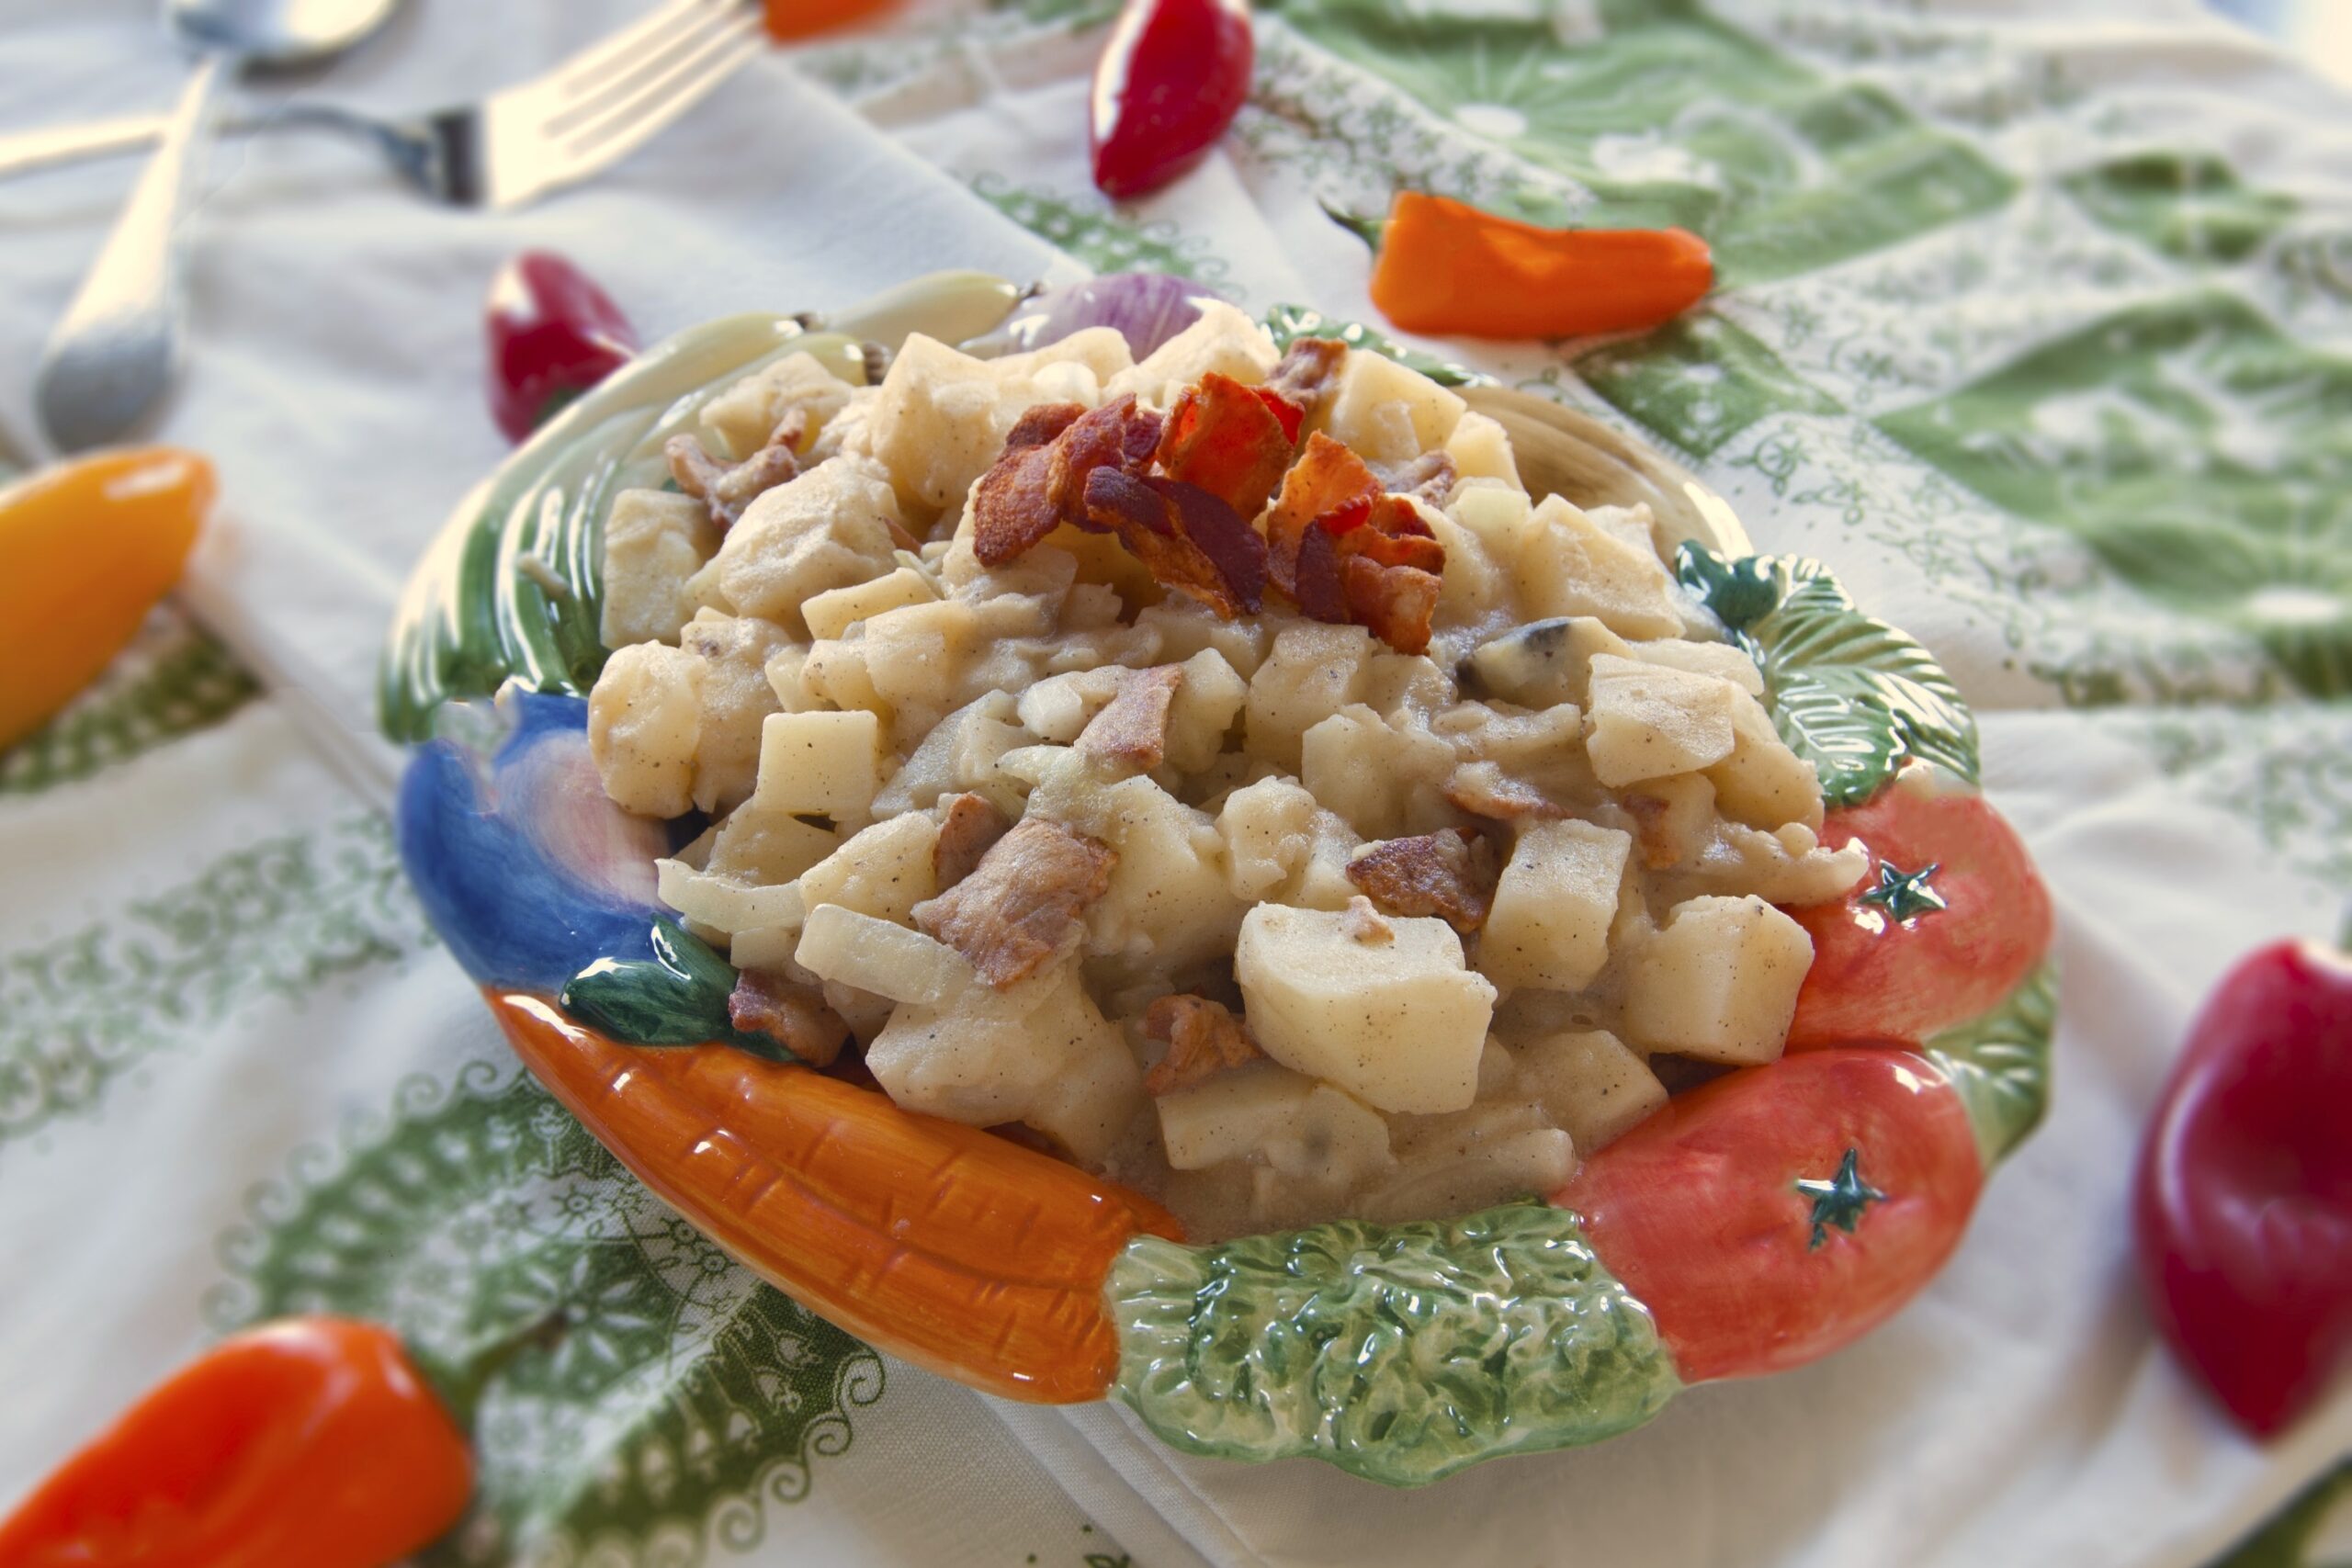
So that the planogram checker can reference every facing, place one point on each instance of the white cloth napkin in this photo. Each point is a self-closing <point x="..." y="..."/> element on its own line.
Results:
<point x="2020" y="1412"/>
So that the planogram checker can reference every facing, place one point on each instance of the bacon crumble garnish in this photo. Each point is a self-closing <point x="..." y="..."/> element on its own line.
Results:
<point x="1189" y="539"/>
<point x="1202" y="1038"/>
<point x="1022" y="903"/>
<point x="1132" y="728"/>
<point x="1450" y="875"/>
<point x="1427" y="478"/>
<point x="1365" y="924"/>
<point x="1482" y="789"/>
<point x="726" y="490"/>
<point x="1040" y="480"/>
<point x="1329" y="485"/>
<point x="1303" y="380"/>
<point x="969" y="828"/>
<point x="1221" y="438"/>
<point x="795" y="1016"/>
<point x="1395" y="603"/>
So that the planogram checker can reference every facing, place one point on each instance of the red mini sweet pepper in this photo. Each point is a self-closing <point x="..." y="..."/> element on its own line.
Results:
<point x="2243" y="1203"/>
<point x="552" y="333"/>
<point x="1173" y="77"/>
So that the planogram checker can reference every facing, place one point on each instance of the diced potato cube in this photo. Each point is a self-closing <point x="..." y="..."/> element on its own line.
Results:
<point x="1101" y="352"/>
<point x="1224" y="340"/>
<point x="821" y="764"/>
<point x="1647" y="722"/>
<point x="1269" y="830"/>
<point x="1335" y="1142"/>
<point x="982" y="1066"/>
<point x="1675" y="818"/>
<point x="1545" y="663"/>
<point x="1322" y="881"/>
<point x="1090" y="1106"/>
<point x="884" y="871"/>
<point x="1312" y="672"/>
<point x="1443" y="1183"/>
<point x="1701" y="659"/>
<point x="875" y="955"/>
<point x="744" y="417"/>
<point x="1398" y="1024"/>
<point x="1372" y="773"/>
<point x="653" y="542"/>
<point x="832" y="613"/>
<point x="1167" y="901"/>
<point x="644" y="718"/>
<point x="1589" y="1082"/>
<point x="1412" y="682"/>
<point x="1503" y="519"/>
<point x="724" y="903"/>
<point x="1549" y="925"/>
<point x="1059" y="707"/>
<point x="1388" y="413"/>
<point x="1761" y="783"/>
<point x="1719" y="981"/>
<point x="960" y="752"/>
<point x="829" y="528"/>
<point x="1577" y="567"/>
<point x="1203" y="709"/>
<point x="735" y="700"/>
<point x="1472" y="588"/>
<point x="765" y="948"/>
<point x="787" y="673"/>
<point x="939" y="423"/>
<point x="1232" y="1116"/>
<point x="1480" y="448"/>
<point x="1184" y="626"/>
<point x="766" y="847"/>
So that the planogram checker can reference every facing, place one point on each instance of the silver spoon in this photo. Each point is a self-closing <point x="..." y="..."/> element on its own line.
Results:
<point x="115" y="352"/>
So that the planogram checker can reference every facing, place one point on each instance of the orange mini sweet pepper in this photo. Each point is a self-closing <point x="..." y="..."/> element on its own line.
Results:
<point x="86" y="550"/>
<point x="311" y="1442"/>
<point x="1447" y="270"/>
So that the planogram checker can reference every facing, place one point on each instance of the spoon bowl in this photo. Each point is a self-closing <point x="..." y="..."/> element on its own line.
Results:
<point x="116" y="351"/>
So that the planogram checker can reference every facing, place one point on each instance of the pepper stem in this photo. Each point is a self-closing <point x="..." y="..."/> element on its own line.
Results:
<point x="1370" y="231"/>
<point x="462" y="1384"/>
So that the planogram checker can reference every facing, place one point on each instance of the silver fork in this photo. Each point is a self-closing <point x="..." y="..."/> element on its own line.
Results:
<point x="514" y="146"/>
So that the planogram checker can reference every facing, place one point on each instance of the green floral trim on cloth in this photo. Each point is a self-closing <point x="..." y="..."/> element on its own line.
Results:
<point x="1102" y="239"/>
<point x="1849" y="693"/>
<point x="2001" y="1064"/>
<point x="279" y="920"/>
<point x="1399" y="1353"/>
<point x="635" y="1395"/>
<point x="173" y="679"/>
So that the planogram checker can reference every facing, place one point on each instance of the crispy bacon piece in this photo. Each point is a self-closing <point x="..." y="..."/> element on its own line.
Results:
<point x="1316" y="582"/>
<point x="1329" y="484"/>
<point x="1428" y="477"/>
<point x="1395" y="535"/>
<point x="1133" y="727"/>
<point x="1204" y="1039"/>
<point x="1022" y="902"/>
<point x="1482" y="789"/>
<point x="1189" y="539"/>
<point x="1395" y="603"/>
<point x="1303" y="380"/>
<point x="1450" y="874"/>
<point x="1040" y="480"/>
<point x="795" y="1016"/>
<point x="726" y="490"/>
<point x="1221" y="438"/>
<point x="971" y="825"/>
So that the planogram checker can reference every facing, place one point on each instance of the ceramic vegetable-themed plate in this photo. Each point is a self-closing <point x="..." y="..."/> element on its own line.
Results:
<point x="1219" y="864"/>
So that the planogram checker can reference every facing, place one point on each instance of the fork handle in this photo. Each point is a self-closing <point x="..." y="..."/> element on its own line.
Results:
<point x="114" y="352"/>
